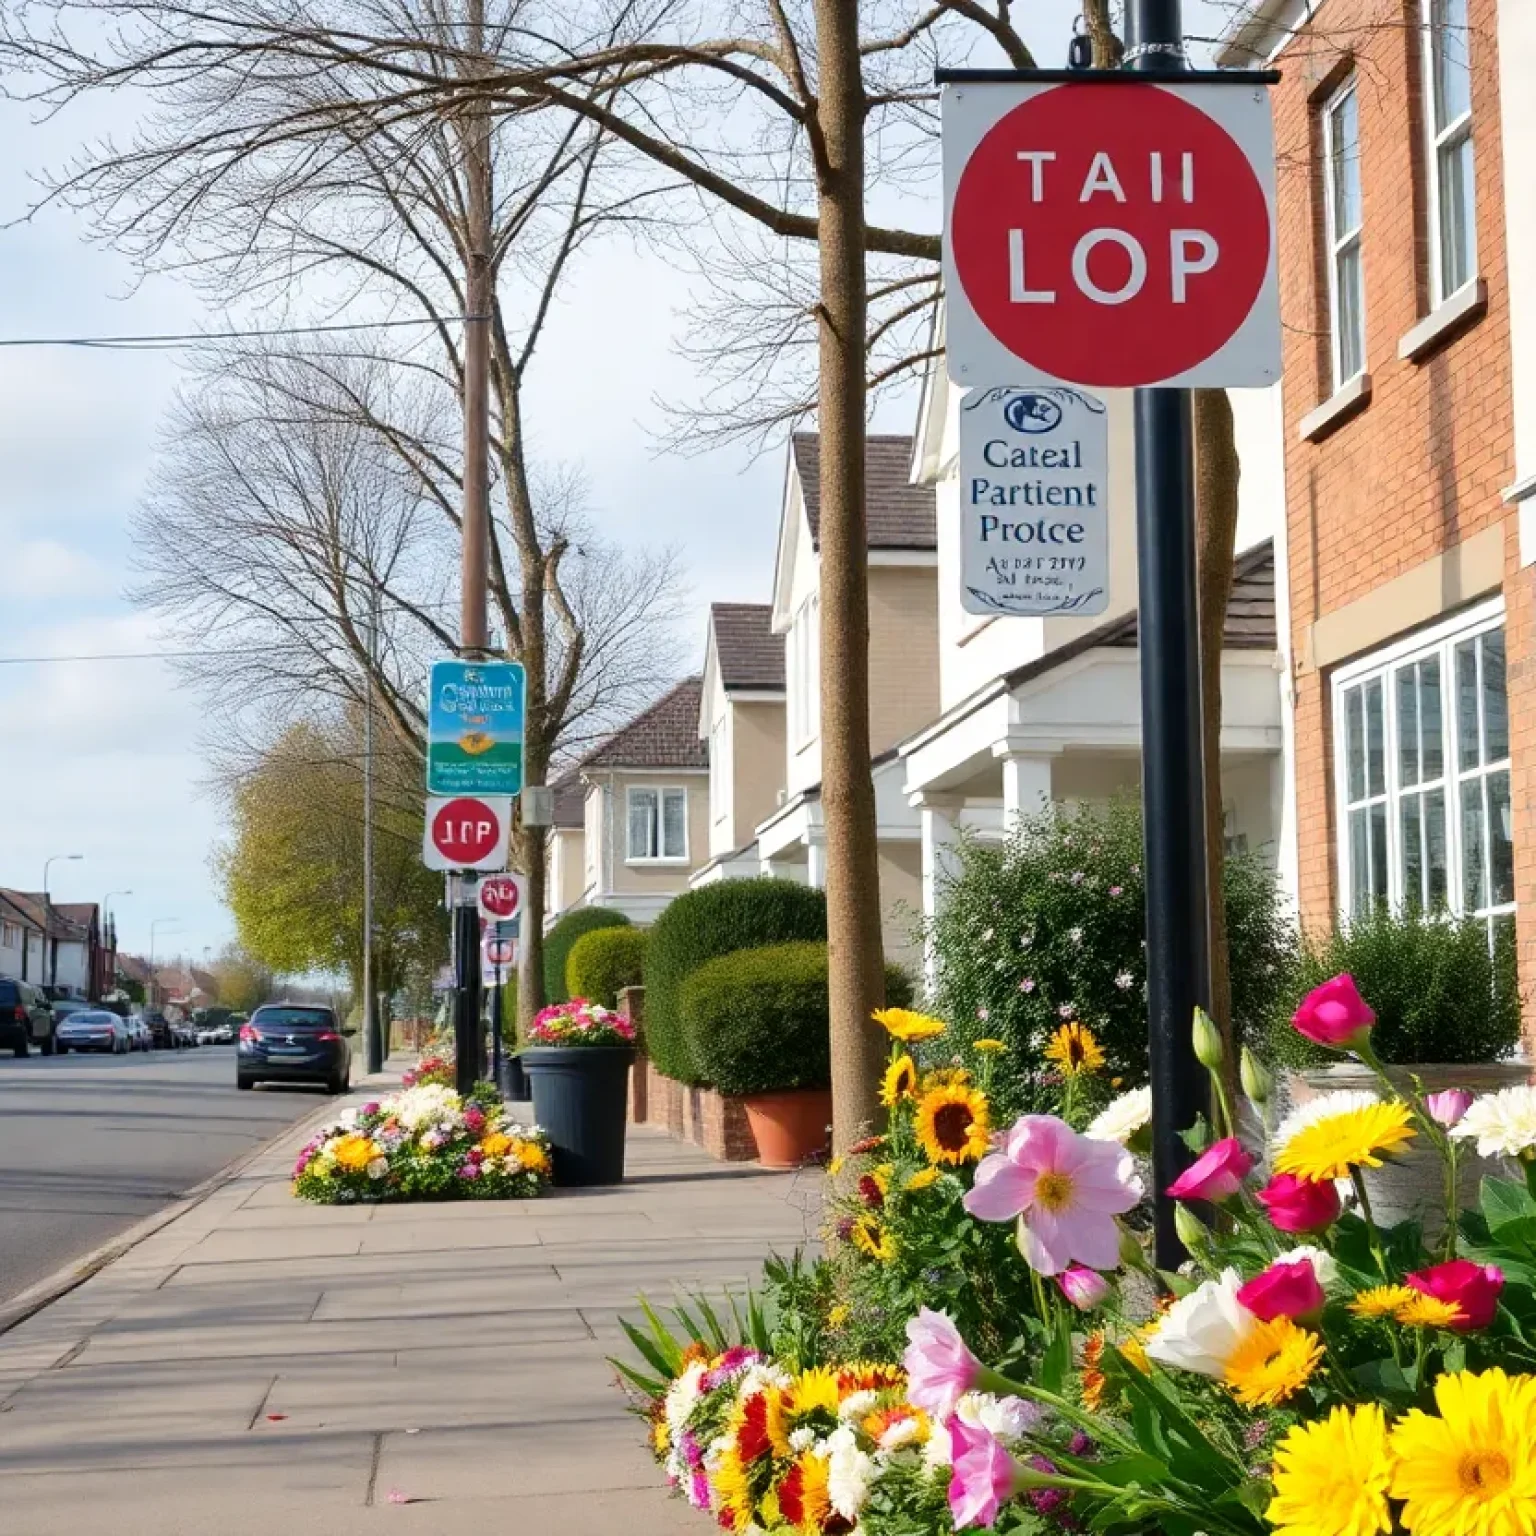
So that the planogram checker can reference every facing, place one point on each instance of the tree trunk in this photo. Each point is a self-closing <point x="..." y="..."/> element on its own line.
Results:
<point x="1216" y="477"/>
<point x="856" y="962"/>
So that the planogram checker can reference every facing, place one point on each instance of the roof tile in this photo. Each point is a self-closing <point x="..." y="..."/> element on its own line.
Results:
<point x="900" y="515"/>
<point x="747" y="651"/>
<point x="664" y="736"/>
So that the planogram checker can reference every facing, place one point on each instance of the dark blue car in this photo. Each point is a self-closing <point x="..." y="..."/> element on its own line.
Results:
<point x="293" y="1043"/>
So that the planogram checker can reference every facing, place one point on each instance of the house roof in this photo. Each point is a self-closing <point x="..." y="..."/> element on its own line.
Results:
<point x="133" y="967"/>
<point x="81" y="912"/>
<point x="60" y="925"/>
<point x="900" y="515"/>
<point x="666" y="735"/>
<point x="747" y="652"/>
<point x="570" y="796"/>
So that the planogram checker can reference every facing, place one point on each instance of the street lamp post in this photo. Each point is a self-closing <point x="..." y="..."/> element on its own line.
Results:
<point x="149" y="986"/>
<point x="51" y="953"/>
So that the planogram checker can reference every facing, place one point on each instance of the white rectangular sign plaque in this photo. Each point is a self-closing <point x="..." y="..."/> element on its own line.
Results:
<point x="1034" y="502"/>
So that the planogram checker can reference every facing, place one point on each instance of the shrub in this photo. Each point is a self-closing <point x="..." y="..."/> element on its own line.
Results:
<point x="1439" y="993"/>
<point x="561" y="939"/>
<point x="755" y="1020"/>
<point x="1049" y="926"/>
<point x="605" y="961"/>
<point x="711" y="921"/>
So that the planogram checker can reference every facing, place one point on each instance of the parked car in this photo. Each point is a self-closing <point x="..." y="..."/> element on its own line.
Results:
<point x="293" y="1043"/>
<point x="93" y="1029"/>
<point x="139" y="1038"/>
<point x="161" y="1031"/>
<point x="186" y="1034"/>
<point x="25" y="1018"/>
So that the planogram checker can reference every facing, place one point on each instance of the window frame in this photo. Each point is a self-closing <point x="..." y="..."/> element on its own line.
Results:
<point x="1455" y="133"/>
<point x="1349" y="241"/>
<point x="1383" y="666"/>
<point x="658" y="823"/>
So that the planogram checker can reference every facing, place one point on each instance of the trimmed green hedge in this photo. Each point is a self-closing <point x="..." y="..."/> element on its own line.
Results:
<point x="711" y="921"/>
<point x="755" y="1020"/>
<point x="561" y="939"/>
<point x="602" y="963"/>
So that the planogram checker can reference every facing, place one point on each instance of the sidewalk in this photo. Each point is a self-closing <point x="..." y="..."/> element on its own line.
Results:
<point x="263" y="1366"/>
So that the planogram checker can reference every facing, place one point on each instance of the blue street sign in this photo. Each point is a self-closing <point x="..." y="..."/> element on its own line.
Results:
<point x="475" y="728"/>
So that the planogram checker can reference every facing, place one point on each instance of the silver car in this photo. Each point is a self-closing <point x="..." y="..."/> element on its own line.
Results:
<point x="92" y="1029"/>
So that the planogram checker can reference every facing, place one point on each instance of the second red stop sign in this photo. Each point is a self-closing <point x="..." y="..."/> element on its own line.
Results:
<point x="1105" y="235"/>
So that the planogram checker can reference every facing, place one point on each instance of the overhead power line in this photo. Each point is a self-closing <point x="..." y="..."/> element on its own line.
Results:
<point x="173" y="341"/>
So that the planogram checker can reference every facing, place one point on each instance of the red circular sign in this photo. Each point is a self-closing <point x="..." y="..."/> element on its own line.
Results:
<point x="466" y="831"/>
<point x="1110" y="235"/>
<point x="499" y="897"/>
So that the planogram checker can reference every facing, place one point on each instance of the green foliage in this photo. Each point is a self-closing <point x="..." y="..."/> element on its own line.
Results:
<point x="561" y="939"/>
<point x="755" y="1020"/>
<point x="1438" y="992"/>
<point x="1049" y="926"/>
<point x="711" y="921"/>
<point x="605" y="961"/>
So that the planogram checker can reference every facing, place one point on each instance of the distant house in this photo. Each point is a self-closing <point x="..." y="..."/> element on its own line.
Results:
<point x="64" y="947"/>
<point x="22" y="945"/>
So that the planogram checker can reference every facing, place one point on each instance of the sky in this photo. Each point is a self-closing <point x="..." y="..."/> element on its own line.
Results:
<point x="105" y="758"/>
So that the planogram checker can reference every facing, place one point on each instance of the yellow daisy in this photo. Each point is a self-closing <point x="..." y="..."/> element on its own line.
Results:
<point x="1382" y="1301"/>
<point x="354" y="1152"/>
<point x="870" y="1238"/>
<point x="1274" y="1362"/>
<point x="905" y="1025"/>
<point x="899" y="1082"/>
<point x="497" y="1144"/>
<point x="989" y="1047"/>
<point x="1471" y="1470"/>
<point x="1358" y="1137"/>
<point x="922" y="1179"/>
<point x="839" y="1314"/>
<point x="1331" y="1476"/>
<point x="952" y="1124"/>
<point x="1422" y="1311"/>
<point x="1075" y="1051"/>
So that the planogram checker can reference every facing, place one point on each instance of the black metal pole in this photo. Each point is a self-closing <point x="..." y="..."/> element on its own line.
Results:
<point x="1172" y="748"/>
<point x="467" y="1034"/>
<point x="496" y="1033"/>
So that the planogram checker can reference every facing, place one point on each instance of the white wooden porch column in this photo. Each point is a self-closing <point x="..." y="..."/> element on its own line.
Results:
<point x="940" y="820"/>
<point x="1026" y="785"/>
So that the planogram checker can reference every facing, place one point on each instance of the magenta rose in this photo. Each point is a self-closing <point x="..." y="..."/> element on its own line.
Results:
<point x="1474" y="1288"/>
<point x="1334" y="1015"/>
<point x="1300" y="1205"/>
<point x="1217" y="1174"/>
<point x="1288" y="1288"/>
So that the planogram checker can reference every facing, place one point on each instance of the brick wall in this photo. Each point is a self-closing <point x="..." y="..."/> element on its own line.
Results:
<point x="1420" y="469"/>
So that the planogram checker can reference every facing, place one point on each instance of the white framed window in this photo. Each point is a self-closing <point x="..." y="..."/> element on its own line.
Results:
<point x="658" y="824"/>
<point x="805" y="658"/>
<point x="1341" y="221"/>
<point x="720" y="769"/>
<point x="10" y="935"/>
<point x="1421" y="747"/>
<point x="1448" y="129"/>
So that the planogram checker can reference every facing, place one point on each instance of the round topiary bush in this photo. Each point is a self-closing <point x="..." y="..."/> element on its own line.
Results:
<point x="755" y="1020"/>
<point x="561" y="939"/>
<point x="711" y="921"/>
<point x="602" y="963"/>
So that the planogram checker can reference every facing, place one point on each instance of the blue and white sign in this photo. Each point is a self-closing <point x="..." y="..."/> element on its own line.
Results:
<point x="1034" y="502"/>
<point x="475" y="728"/>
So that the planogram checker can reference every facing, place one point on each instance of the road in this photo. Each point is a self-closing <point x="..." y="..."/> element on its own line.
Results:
<point x="90" y="1145"/>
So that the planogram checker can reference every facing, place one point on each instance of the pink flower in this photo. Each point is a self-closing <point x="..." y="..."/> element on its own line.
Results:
<point x="1448" y="1106"/>
<point x="1288" y="1288"/>
<point x="1300" y="1205"/>
<point x="1217" y="1174"/>
<point x="982" y="1477"/>
<point x="1067" y="1188"/>
<point x="1472" y="1287"/>
<point x="1334" y="1015"/>
<point x="940" y="1369"/>
<point x="1084" y="1288"/>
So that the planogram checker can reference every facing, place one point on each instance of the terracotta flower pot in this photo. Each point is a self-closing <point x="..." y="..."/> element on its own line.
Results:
<point x="790" y="1128"/>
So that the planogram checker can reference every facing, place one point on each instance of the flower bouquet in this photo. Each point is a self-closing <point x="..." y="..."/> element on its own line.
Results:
<point x="580" y="1022"/>
<point x="424" y="1143"/>
<point x="430" y="1069"/>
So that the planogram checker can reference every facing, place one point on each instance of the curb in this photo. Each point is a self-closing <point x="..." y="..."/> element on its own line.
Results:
<point x="71" y="1276"/>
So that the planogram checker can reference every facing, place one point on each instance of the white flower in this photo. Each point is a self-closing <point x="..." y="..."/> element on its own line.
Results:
<point x="378" y="1167"/>
<point x="986" y="937"/>
<point x="802" y="1439"/>
<point x="761" y="1374"/>
<point x="903" y="1432"/>
<point x="682" y="1395"/>
<point x="347" y="1119"/>
<point x="1122" y="1118"/>
<point x="849" y="1473"/>
<point x="936" y="1452"/>
<point x="1504" y="1123"/>
<point x="856" y="1405"/>
<point x="1324" y="1266"/>
<point x="416" y="1108"/>
<point x="1124" y="980"/>
<point x="1200" y="1331"/>
<point x="1008" y="1418"/>
<point x="1346" y="1101"/>
<point x="1075" y="934"/>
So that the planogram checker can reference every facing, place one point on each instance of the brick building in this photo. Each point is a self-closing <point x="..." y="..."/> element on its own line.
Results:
<point x="1407" y="611"/>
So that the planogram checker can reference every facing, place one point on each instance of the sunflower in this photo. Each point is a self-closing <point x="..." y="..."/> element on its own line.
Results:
<point x="730" y="1480"/>
<point x="1424" y="1311"/>
<point x="870" y="1238"/>
<point x="803" y="1499"/>
<point x="813" y="1389"/>
<point x="989" y="1047"/>
<point x="1331" y="1476"/>
<point x="1471" y="1471"/>
<point x="1275" y="1361"/>
<point x="899" y="1082"/>
<point x="905" y="1025"/>
<point x="1330" y="1146"/>
<point x="1075" y="1051"/>
<point x="952" y="1124"/>
<point x="922" y="1179"/>
<point x="1382" y="1301"/>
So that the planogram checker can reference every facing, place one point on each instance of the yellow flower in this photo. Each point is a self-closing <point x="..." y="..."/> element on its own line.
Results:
<point x="660" y="1437"/>
<point x="900" y="1081"/>
<point x="835" y="1167"/>
<point x="839" y="1314"/>
<point x="1330" y="1147"/>
<point x="1075" y="1051"/>
<point x="905" y="1025"/>
<point x="869" y="1237"/>
<point x="497" y="1144"/>
<point x="922" y="1179"/>
<point x="1382" y="1300"/>
<point x="354" y="1152"/>
<point x="952" y="1124"/>
<point x="1422" y="1311"/>
<point x="1331" y="1476"/>
<point x="531" y="1155"/>
<point x="1275" y="1361"/>
<point x="814" y="1388"/>
<point x="945" y="1077"/>
<point x="1091" y="1378"/>
<point x="1471" y="1471"/>
<point x="988" y="1047"/>
<point x="730" y="1479"/>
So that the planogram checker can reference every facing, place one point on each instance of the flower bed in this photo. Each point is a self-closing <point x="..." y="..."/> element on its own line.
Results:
<point x="423" y="1143"/>
<point x="580" y="1022"/>
<point x="1306" y="1372"/>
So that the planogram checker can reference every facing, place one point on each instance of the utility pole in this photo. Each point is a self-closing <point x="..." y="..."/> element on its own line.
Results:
<point x="1172" y="748"/>
<point x="372" y="1043"/>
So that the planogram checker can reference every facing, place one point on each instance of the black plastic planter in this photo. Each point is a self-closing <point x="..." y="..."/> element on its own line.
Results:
<point x="581" y="1100"/>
